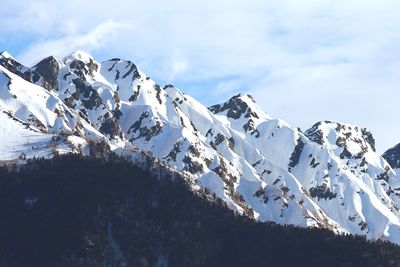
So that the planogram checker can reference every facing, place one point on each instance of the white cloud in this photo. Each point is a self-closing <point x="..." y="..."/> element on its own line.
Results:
<point x="95" y="39"/>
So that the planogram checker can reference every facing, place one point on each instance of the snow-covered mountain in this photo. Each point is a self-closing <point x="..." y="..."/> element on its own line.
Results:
<point x="329" y="176"/>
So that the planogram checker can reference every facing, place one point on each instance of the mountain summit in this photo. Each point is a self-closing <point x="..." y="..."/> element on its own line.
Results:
<point x="329" y="176"/>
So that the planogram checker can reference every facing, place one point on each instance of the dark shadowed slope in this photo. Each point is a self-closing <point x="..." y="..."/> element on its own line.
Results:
<point x="76" y="211"/>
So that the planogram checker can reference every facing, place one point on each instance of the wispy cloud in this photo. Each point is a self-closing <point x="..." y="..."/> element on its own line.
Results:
<point x="96" y="38"/>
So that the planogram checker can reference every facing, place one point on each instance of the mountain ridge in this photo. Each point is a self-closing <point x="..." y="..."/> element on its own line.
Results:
<point x="329" y="176"/>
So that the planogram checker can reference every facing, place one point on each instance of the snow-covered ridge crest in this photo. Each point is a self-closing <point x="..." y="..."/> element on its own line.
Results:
<point x="80" y="55"/>
<point x="330" y="176"/>
<point x="5" y="54"/>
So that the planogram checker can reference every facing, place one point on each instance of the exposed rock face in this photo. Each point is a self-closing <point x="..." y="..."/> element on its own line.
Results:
<point x="328" y="176"/>
<point x="322" y="192"/>
<point x="48" y="68"/>
<point x="295" y="157"/>
<point x="393" y="156"/>
<point x="22" y="71"/>
<point x="235" y="107"/>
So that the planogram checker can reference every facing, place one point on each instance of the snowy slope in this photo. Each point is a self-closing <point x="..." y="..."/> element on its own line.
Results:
<point x="329" y="176"/>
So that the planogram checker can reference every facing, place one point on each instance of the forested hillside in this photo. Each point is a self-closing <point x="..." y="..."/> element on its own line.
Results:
<point x="80" y="211"/>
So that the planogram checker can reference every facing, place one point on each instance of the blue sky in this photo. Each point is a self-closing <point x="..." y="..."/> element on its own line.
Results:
<point x="303" y="61"/>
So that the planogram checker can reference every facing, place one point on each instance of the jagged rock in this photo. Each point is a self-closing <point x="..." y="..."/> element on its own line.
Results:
<point x="392" y="156"/>
<point x="322" y="192"/>
<point x="295" y="157"/>
<point x="235" y="108"/>
<point x="48" y="68"/>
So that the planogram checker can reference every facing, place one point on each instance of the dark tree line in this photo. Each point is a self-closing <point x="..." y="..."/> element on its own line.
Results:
<point x="76" y="211"/>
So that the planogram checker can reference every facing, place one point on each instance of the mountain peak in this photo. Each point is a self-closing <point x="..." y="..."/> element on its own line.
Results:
<point x="80" y="55"/>
<point x="238" y="105"/>
<point x="244" y="97"/>
<point x="352" y="141"/>
<point x="81" y="63"/>
<point x="5" y="54"/>
<point x="48" y="68"/>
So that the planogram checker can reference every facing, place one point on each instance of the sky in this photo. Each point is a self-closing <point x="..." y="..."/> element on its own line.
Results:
<point x="302" y="60"/>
